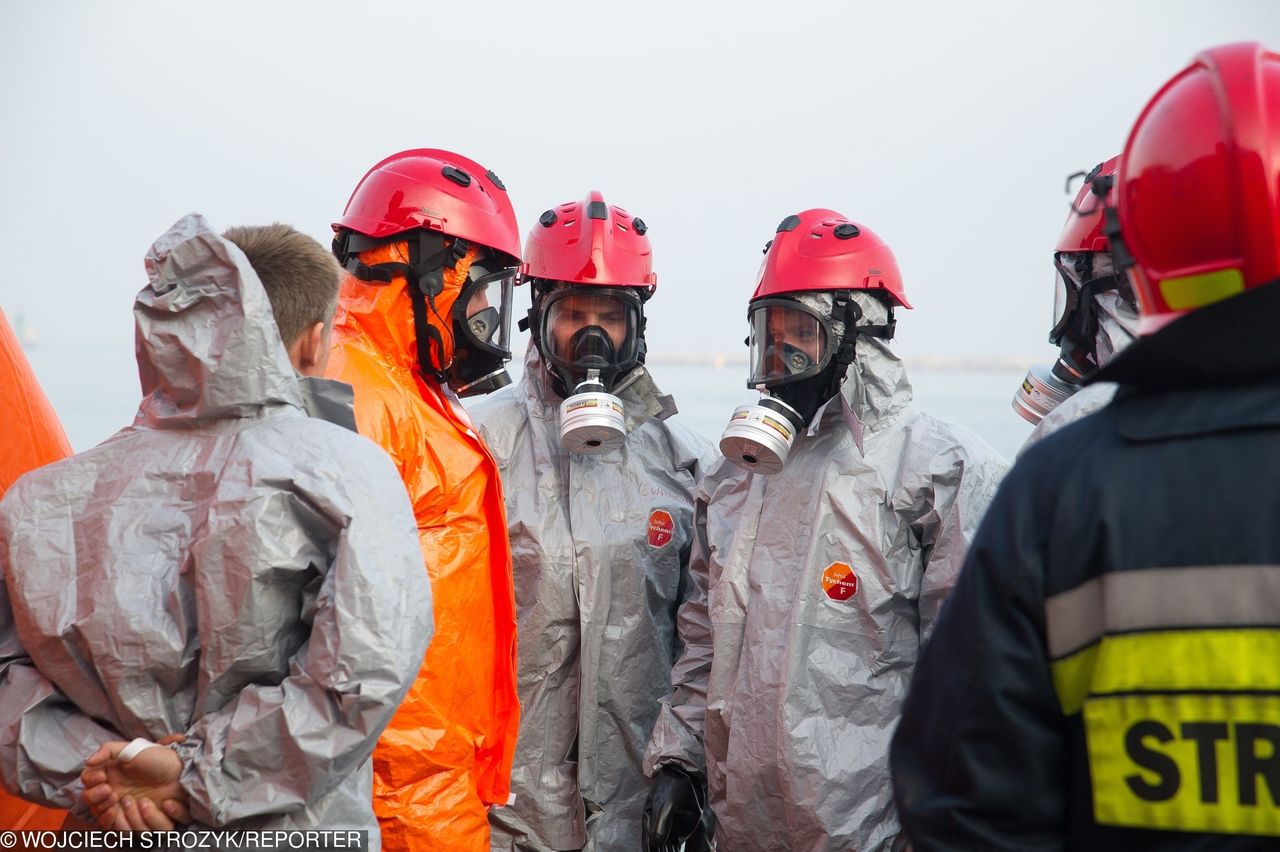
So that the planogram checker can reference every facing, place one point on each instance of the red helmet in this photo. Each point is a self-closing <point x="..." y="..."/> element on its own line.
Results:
<point x="590" y="242"/>
<point x="1199" y="189"/>
<point x="822" y="250"/>
<point x="437" y="191"/>
<point x="1083" y="230"/>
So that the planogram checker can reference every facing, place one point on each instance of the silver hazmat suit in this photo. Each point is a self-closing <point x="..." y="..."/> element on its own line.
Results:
<point x="227" y="568"/>
<point x="823" y="581"/>
<point x="1117" y="328"/>
<point x="600" y="549"/>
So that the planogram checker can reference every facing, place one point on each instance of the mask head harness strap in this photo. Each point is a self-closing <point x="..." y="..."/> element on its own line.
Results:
<point x="845" y="309"/>
<point x="430" y="255"/>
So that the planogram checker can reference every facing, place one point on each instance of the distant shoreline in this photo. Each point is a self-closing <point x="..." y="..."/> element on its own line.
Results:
<point x="970" y="363"/>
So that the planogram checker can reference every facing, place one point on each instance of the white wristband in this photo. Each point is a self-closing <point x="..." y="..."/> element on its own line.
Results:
<point x="134" y="749"/>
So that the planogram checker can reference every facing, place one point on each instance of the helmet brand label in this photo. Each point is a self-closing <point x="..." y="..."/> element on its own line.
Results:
<point x="839" y="581"/>
<point x="661" y="528"/>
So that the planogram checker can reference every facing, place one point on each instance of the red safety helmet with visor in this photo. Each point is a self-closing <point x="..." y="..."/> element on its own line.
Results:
<point x="818" y="250"/>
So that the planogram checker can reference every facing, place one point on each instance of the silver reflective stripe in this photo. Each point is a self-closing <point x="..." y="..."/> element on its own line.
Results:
<point x="1155" y="598"/>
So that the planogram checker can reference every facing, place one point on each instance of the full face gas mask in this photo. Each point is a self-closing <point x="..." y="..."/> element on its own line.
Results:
<point x="482" y="331"/>
<point x="1082" y="329"/>
<point x="462" y="336"/>
<point x="800" y="353"/>
<point x="589" y="338"/>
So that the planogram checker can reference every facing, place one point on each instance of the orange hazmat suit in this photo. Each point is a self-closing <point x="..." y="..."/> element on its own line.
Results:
<point x="447" y="753"/>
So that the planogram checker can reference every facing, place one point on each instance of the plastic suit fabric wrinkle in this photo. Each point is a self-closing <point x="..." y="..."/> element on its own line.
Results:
<point x="600" y="550"/>
<point x="33" y="437"/>
<point x="227" y="568"/>
<point x="447" y="753"/>
<point x="809" y="669"/>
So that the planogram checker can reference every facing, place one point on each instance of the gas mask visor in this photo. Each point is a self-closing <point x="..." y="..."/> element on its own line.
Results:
<point x="788" y="341"/>
<point x="590" y="337"/>
<point x="482" y="332"/>
<point x="790" y="348"/>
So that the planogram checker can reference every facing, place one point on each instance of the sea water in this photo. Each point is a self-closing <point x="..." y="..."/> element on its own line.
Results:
<point x="95" y="391"/>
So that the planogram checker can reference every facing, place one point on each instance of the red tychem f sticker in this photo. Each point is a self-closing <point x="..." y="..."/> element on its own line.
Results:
<point x="661" y="528"/>
<point x="839" y="582"/>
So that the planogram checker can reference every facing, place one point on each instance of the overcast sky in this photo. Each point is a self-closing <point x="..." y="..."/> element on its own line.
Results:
<point x="948" y="128"/>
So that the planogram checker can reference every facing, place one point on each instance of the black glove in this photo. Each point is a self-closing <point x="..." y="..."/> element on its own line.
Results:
<point x="673" y="812"/>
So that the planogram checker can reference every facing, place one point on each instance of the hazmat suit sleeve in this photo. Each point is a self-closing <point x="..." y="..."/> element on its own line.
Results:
<point x="277" y="747"/>
<point x="44" y="737"/>
<point x="978" y="759"/>
<point x="677" y="734"/>
<point x="961" y="485"/>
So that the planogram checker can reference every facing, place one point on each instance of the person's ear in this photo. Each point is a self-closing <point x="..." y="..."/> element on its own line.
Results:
<point x="310" y="351"/>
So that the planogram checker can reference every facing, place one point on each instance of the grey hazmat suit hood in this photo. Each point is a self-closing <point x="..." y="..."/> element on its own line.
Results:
<point x="600" y="547"/>
<point x="822" y="582"/>
<point x="875" y="387"/>
<point x="1117" y="318"/>
<point x="207" y="346"/>
<point x="227" y="568"/>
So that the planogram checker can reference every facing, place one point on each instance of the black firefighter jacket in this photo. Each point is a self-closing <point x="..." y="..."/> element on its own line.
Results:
<point x="1106" y="674"/>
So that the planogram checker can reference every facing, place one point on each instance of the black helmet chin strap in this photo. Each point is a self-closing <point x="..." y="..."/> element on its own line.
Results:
<point x="429" y="256"/>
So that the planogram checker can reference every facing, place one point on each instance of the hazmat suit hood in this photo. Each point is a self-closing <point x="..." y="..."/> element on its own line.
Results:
<point x="383" y="313"/>
<point x="228" y="568"/>
<point x="1117" y="325"/>
<point x="875" y="390"/>
<point x="206" y="346"/>
<point x="1117" y="317"/>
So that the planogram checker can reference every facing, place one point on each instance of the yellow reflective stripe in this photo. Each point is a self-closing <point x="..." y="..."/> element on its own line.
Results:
<point x="1194" y="291"/>
<point x="1227" y="659"/>
<point x="1208" y="659"/>
<point x="1071" y="678"/>
<point x="1186" y="762"/>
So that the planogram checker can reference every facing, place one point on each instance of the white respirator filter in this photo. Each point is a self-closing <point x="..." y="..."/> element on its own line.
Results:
<point x="1040" y="392"/>
<point x="592" y="422"/>
<point x="759" y="437"/>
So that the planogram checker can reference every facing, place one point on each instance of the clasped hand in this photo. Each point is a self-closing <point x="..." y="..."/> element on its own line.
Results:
<point x="141" y="794"/>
